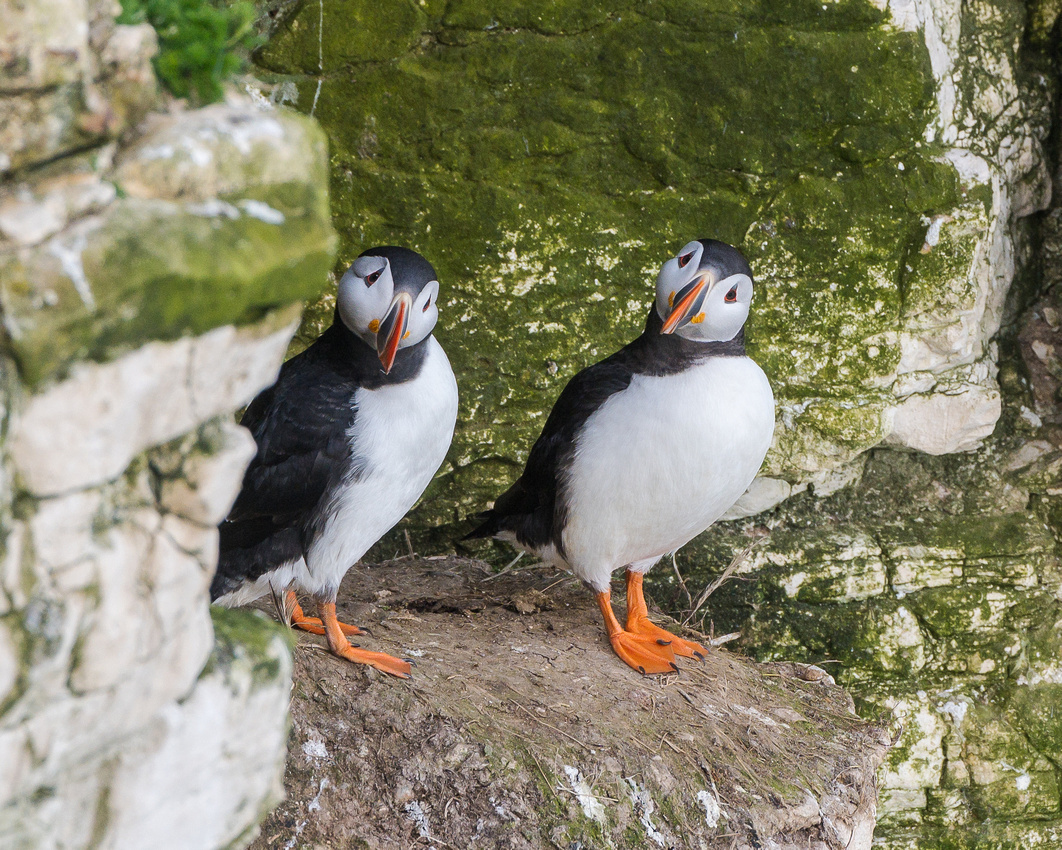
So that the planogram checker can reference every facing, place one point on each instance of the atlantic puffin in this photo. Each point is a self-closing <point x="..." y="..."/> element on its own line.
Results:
<point x="646" y="449"/>
<point x="348" y="438"/>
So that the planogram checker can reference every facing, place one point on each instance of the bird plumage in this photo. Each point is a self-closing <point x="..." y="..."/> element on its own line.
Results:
<point x="647" y="448"/>
<point x="345" y="446"/>
<point x="530" y="510"/>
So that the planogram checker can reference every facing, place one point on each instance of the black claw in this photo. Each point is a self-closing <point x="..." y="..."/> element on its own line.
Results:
<point x="663" y="642"/>
<point x="674" y="666"/>
<point x="410" y="662"/>
<point x="641" y="669"/>
<point x="365" y="630"/>
<point x="699" y="656"/>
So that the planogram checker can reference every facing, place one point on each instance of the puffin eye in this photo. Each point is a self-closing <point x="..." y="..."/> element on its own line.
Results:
<point x="370" y="279"/>
<point x="427" y="304"/>
<point x="731" y="296"/>
<point x="685" y="259"/>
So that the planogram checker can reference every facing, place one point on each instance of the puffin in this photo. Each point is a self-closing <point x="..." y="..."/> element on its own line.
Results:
<point x="348" y="437"/>
<point x="646" y="449"/>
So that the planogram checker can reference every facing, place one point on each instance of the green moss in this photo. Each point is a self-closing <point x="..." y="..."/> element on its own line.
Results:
<point x="194" y="273"/>
<point x="1038" y="712"/>
<point x="547" y="157"/>
<point x="383" y="31"/>
<point x="202" y="43"/>
<point x="250" y="637"/>
<point x="949" y="258"/>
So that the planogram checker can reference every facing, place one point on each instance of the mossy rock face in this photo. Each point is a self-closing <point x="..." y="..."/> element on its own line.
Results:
<point x="930" y="588"/>
<point x="249" y="638"/>
<point x="208" y="228"/>
<point x="549" y="157"/>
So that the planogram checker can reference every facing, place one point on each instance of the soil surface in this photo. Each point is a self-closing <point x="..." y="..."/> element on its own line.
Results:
<point x="520" y="728"/>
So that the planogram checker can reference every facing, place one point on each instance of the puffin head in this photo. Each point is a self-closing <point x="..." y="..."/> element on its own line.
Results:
<point x="388" y="298"/>
<point x="703" y="293"/>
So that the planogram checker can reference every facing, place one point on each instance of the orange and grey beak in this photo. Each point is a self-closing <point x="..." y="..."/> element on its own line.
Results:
<point x="687" y="304"/>
<point x="392" y="329"/>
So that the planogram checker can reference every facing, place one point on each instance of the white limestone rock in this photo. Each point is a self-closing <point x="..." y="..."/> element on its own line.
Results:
<point x="833" y="568"/>
<point x="207" y="484"/>
<point x="104" y="574"/>
<point x="45" y="44"/>
<point x="232" y="723"/>
<point x="218" y="150"/>
<point x="167" y="389"/>
<point x="30" y="213"/>
<point x="75" y="76"/>
<point x="942" y="423"/>
<point x="917" y="762"/>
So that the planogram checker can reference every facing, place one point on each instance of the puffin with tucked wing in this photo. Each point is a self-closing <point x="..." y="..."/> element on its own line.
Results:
<point x="348" y="438"/>
<point x="646" y="449"/>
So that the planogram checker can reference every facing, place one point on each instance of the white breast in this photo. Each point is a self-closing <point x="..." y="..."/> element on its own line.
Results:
<point x="402" y="433"/>
<point x="661" y="461"/>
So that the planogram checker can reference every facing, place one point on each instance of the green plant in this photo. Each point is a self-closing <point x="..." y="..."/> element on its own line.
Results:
<point x="201" y="42"/>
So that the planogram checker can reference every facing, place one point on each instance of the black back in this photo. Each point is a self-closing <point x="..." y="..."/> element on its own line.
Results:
<point x="534" y="508"/>
<point x="300" y="425"/>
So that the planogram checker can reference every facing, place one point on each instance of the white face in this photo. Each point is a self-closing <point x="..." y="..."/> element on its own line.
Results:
<point x="374" y="306"/>
<point x="703" y="298"/>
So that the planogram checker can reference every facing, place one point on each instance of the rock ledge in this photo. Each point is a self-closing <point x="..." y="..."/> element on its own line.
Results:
<point x="521" y="729"/>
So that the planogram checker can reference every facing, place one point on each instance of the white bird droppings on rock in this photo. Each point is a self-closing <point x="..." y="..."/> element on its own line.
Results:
<point x="214" y="208"/>
<point x="315" y="804"/>
<point x="591" y="806"/>
<point x="712" y="810"/>
<point x="416" y="813"/>
<point x="314" y="749"/>
<point x="261" y="211"/>
<point x="955" y="710"/>
<point x="644" y="808"/>
<point x="69" y="256"/>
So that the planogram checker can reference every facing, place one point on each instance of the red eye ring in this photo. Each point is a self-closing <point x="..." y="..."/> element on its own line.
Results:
<point x="684" y="260"/>
<point x="370" y="279"/>
<point x="731" y="296"/>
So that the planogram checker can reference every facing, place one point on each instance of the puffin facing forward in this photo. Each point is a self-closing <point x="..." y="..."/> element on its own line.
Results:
<point x="348" y="438"/>
<point x="646" y="449"/>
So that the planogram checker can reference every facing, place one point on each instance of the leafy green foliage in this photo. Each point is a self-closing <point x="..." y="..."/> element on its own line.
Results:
<point x="201" y="42"/>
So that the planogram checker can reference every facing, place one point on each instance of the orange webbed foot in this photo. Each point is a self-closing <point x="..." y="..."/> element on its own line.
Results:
<point x="644" y="628"/>
<point x="646" y="655"/>
<point x="338" y="644"/>
<point x="313" y="625"/>
<point x="638" y="622"/>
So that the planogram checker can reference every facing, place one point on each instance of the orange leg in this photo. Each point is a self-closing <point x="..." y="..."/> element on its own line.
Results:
<point x="645" y="655"/>
<point x="638" y="621"/>
<point x="313" y="624"/>
<point x="337" y="642"/>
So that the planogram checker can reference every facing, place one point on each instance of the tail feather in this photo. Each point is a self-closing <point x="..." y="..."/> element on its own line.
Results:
<point x="249" y="549"/>
<point x="489" y="525"/>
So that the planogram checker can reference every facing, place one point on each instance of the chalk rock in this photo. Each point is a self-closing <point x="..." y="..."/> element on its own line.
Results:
<point x="166" y="389"/>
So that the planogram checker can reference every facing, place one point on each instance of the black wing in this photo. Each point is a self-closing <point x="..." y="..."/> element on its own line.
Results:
<point x="300" y="426"/>
<point x="533" y="508"/>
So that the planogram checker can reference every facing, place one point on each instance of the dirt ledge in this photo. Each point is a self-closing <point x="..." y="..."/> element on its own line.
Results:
<point x="521" y="729"/>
